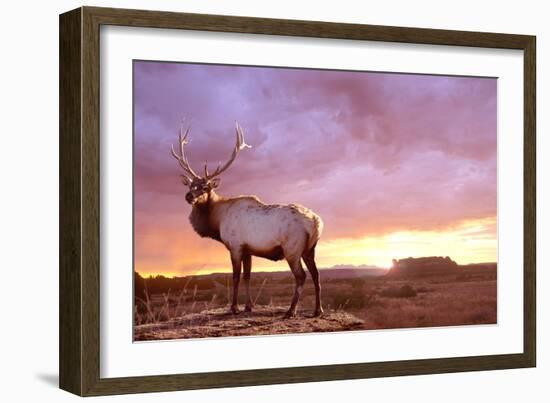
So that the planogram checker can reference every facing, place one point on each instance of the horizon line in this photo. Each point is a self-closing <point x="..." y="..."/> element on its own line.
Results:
<point x="335" y="267"/>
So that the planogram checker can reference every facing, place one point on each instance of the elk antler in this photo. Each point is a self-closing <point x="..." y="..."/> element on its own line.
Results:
<point x="238" y="147"/>
<point x="182" y="159"/>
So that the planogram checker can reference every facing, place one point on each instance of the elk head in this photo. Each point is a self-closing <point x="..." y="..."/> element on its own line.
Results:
<point x="201" y="186"/>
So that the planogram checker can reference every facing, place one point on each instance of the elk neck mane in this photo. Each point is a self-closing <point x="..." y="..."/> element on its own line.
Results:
<point x="205" y="216"/>
<point x="201" y="218"/>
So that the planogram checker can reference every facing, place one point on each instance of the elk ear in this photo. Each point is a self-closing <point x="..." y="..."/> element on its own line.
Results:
<point x="214" y="183"/>
<point x="185" y="180"/>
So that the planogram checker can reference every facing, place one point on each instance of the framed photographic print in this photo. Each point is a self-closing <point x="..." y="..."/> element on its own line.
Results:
<point x="249" y="201"/>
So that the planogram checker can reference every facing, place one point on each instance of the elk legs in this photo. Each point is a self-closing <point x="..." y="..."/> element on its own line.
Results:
<point x="236" y="263"/>
<point x="309" y="259"/>
<point x="247" y="268"/>
<point x="300" y="277"/>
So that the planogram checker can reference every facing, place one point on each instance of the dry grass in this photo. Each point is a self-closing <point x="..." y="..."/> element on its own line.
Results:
<point x="444" y="305"/>
<point x="466" y="298"/>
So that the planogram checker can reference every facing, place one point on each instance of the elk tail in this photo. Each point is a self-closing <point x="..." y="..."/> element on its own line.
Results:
<point x="316" y="232"/>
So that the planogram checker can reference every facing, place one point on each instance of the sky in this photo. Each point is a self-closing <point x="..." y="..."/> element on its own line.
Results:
<point x="397" y="165"/>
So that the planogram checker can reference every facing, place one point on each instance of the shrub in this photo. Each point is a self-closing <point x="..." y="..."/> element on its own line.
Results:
<point x="357" y="299"/>
<point x="405" y="291"/>
<point x="358" y="283"/>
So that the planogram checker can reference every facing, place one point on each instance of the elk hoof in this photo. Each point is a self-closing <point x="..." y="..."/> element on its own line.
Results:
<point x="235" y="310"/>
<point x="289" y="315"/>
<point x="318" y="312"/>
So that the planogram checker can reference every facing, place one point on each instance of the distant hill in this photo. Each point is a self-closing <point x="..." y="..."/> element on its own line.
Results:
<point x="403" y="268"/>
<point x="422" y="266"/>
<point x="161" y="284"/>
<point x="352" y="266"/>
<point x="341" y="271"/>
<point x="435" y="266"/>
<point x="473" y="266"/>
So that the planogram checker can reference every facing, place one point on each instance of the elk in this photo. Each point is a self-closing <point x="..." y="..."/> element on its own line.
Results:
<point x="248" y="227"/>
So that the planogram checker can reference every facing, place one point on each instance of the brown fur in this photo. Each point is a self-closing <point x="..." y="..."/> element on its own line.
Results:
<point x="201" y="220"/>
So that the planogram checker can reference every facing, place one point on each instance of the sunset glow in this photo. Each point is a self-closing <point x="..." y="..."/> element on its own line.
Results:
<point x="472" y="242"/>
<point x="396" y="165"/>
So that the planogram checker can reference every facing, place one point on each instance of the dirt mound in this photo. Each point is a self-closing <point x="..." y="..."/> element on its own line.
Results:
<point x="263" y="320"/>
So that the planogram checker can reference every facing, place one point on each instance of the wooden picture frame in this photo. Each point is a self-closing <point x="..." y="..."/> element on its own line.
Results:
<point x="79" y="201"/>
